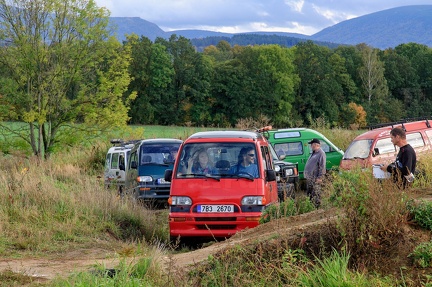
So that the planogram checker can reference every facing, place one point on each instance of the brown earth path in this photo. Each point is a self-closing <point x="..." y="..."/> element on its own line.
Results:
<point x="293" y="226"/>
<point x="87" y="260"/>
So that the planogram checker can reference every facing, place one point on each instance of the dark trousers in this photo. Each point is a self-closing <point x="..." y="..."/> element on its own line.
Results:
<point x="313" y="190"/>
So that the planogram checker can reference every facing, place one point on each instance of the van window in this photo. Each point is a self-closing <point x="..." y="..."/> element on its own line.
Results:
<point x="385" y="146"/>
<point x="286" y="135"/>
<point x="324" y="146"/>
<point x="133" y="158"/>
<point x="415" y="139"/>
<point x="157" y="153"/>
<point x="267" y="159"/>
<point x="108" y="161"/>
<point x="358" y="149"/>
<point x="121" y="164"/>
<point x="291" y="148"/>
<point x="114" y="160"/>
<point x="429" y="134"/>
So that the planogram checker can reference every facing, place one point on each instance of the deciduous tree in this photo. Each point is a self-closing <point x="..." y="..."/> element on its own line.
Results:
<point x="63" y="66"/>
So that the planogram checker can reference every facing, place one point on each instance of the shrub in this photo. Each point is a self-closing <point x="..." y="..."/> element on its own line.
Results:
<point x="372" y="213"/>
<point x="421" y="213"/>
<point x="332" y="271"/>
<point x="252" y="123"/>
<point x="422" y="255"/>
<point x="287" y="208"/>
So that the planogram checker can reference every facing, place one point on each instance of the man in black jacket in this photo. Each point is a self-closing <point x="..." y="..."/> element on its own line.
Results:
<point x="403" y="168"/>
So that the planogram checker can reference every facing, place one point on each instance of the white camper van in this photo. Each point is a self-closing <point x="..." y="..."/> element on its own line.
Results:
<point x="116" y="164"/>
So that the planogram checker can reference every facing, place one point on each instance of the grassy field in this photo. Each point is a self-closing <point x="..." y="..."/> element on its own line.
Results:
<point x="58" y="206"/>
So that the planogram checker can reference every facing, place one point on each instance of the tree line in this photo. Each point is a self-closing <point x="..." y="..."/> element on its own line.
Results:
<point x="59" y="67"/>
<point x="253" y="39"/>
<point x="347" y="85"/>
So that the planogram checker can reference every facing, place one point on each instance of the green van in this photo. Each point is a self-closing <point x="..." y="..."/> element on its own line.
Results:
<point x="293" y="143"/>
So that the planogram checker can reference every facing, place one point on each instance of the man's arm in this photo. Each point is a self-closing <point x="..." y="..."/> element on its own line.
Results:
<point x="407" y="162"/>
<point x="321" y="166"/>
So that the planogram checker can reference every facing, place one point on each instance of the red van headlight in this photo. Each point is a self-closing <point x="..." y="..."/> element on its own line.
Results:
<point x="252" y="200"/>
<point x="180" y="200"/>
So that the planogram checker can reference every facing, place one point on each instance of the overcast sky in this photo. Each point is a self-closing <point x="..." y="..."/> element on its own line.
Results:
<point x="236" y="16"/>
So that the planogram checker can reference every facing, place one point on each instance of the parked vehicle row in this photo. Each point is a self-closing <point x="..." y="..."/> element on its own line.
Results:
<point x="231" y="199"/>
<point x="219" y="182"/>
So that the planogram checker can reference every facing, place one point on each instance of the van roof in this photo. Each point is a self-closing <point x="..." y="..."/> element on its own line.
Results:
<point x="119" y="145"/>
<point x="157" y="141"/>
<point x="385" y="130"/>
<point x="228" y="134"/>
<point x="161" y="140"/>
<point x="120" y="148"/>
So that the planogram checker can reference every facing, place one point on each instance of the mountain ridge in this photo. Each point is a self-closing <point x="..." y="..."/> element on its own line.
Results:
<point x="382" y="29"/>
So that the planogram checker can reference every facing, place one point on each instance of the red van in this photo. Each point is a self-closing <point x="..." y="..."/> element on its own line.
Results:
<point x="375" y="146"/>
<point x="221" y="183"/>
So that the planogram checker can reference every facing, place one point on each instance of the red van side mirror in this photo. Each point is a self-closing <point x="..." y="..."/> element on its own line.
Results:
<point x="270" y="175"/>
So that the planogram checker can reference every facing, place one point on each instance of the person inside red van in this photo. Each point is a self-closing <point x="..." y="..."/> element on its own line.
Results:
<point x="403" y="168"/>
<point x="246" y="162"/>
<point x="199" y="164"/>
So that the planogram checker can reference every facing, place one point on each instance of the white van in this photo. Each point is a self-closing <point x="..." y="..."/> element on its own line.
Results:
<point x="116" y="164"/>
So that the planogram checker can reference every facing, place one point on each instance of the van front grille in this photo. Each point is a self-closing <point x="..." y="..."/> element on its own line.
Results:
<point x="215" y="219"/>
<point x="216" y="226"/>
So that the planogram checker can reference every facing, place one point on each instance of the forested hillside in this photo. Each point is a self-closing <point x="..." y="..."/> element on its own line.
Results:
<point x="345" y="86"/>
<point x="254" y="39"/>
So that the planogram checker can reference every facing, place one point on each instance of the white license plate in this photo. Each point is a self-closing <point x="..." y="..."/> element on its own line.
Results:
<point x="215" y="208"/>
<point x="162" y="181"/>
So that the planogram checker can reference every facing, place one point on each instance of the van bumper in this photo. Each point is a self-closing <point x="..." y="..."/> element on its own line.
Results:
<point x="152" y="193"/>
<point x="188" y="225"/>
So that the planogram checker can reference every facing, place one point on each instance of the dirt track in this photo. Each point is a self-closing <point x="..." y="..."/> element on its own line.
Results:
<point x="286" y="227"/>
<point x="86" y="260"/>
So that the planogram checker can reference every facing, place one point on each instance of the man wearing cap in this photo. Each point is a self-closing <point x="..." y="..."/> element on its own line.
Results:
<point x="314" y="172"/>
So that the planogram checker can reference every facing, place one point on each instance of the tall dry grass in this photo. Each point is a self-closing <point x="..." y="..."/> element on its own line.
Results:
<point x="53" y="205"/>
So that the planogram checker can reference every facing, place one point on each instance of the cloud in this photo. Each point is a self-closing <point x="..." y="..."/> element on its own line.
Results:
<point x="296" y="6"/>
<point x="234" y="16"/>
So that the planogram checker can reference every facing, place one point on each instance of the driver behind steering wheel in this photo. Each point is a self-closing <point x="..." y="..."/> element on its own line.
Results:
<point x="246" y="162"/>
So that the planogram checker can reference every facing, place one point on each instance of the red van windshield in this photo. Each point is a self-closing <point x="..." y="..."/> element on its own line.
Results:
<point x="224" y="159"/>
